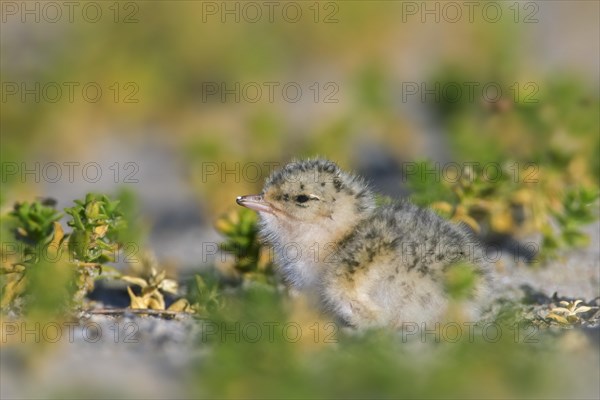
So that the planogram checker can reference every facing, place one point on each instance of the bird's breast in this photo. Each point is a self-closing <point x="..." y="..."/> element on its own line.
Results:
<point x="303" y="264"/>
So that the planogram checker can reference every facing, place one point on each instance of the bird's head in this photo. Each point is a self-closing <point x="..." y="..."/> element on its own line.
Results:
<point x="311" y="197"/>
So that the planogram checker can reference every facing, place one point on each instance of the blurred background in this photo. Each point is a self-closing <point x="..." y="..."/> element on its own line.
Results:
<point x="189" y="104"/>
<point x="185" y="105"/>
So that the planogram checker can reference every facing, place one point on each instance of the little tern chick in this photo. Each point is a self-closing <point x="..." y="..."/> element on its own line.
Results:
<point x="368" y="266"/>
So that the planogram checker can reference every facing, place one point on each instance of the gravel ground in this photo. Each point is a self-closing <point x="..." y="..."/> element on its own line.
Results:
<point x="574" y="274"/>
<point x="132" y="356"/>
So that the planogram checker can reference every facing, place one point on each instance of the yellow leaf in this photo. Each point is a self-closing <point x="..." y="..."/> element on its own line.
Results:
<point x="136" y="281"/>
<point x="264" y="258"/>
<point x="11" y="268"/>
<point x="572" y="318"/>
<point x="136" y="302"/>
<point x="467" y="220"/>
<point x="157" y="302"/>
<point x="54" y="246"/>
<point x="169" y="286"/>
<point x="149" y="291"/>
<point x="224" y="226"/>
<point x="59" y="234"/>
<point x="442" y="206"/>
<point x="160" y="276"/>
<point x="101" y="230"/>
<point x="180" y="305"/>
<point x="12" y="290"/>
<point x="558" y="318"/>
<point x="234" y="217"/>
<point x="501" y="221"/>
<point x="582" y="309"/>
<point x="523" y="196"/>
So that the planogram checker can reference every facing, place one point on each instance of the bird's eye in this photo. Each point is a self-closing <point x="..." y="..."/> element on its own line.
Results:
<point x="302" y="198"/>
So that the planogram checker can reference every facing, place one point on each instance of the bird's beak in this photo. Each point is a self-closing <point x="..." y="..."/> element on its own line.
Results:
<point x="254" y="202"/>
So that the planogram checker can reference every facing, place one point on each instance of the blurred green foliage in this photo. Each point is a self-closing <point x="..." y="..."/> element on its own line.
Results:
<point x="52" y="269"/>
<point x="261" y="349"/>
<point x="251" y="260"/>
<point x="35" y="225"/>
<point x="550" y="123"/>
<point x="459" y="281"/>
<point x="205" y="295"/>
<point x="31" y="244"/>
<point x="579" y="208"/>
<point x="507" y="201"/>
<point x="96" y="223"/>
<point x="132" y="229"/>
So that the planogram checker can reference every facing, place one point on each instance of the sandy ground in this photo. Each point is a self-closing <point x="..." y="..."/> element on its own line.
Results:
<point x="574" y="274"/>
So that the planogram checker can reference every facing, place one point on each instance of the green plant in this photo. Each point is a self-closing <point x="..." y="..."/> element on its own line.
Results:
<point x="251" y="260"/>
<point x="508" y="202"/>
<point x="53" y="262"/>
<point x="206" y="296"/>
<point x="96" y="224"/>
<point x="37" y="235"/>
<point x="468" y="195"/>
<point x="36" y="225"/>
<point x="577" y="210"/>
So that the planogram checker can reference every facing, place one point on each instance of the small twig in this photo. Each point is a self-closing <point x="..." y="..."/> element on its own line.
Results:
<point x="148" y="311"/>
